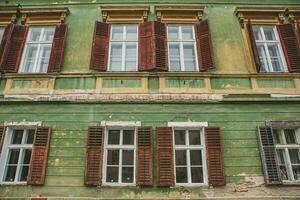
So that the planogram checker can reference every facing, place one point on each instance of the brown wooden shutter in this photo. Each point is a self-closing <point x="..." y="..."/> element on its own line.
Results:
<point x="2" y="135"/>
<point x="268" y="155"/>
<point x="5" y="39"/>
<point x="290" y="46"/>
<point x="94" y="156"/>
<point x="152" y="47"/>
<point x="204" y="46"/>
<point x="144" y="156"/>
<point x="38" y="162"/>
<point x="215" y="162"/>
<point x="99" y="55"/>
<point x="253" y="46"/>
<point x="165" y="164"/>
<point x="58" y="47"/>
<point x="13" y="49"/>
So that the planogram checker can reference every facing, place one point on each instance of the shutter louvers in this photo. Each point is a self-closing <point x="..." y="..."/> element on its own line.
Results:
<point x="204" y="46"/>
<point x="290" y="46"/>
<point x="38" y="162"/>
<point x="5" y="40"/>
<point x="58" y="47"/>
<point x="99" y="55"/>
<point x="165" y="165"/>
<point x="152" y="47"/>
<point x="268" y="155"/>
<point x="144" y="156"/>
<point x="13" y="49"/>
<point x="253" y="46"/>
<point x="94" y="156"/>
<point x="215" y="162"/>
<point x="2" y="135"/>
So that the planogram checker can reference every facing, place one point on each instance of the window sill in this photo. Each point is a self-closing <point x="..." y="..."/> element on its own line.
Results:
<point x="13" y="184"/>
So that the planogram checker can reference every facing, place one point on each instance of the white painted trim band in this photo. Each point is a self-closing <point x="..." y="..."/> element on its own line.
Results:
<point x="121" y="123"/>
<point x="22" y="123"/>
<point x="187" y="124"/>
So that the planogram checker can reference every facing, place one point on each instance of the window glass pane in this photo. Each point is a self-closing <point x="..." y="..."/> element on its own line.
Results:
<point x="269" y="33"/>
<point x="180" y="157"/>
<point x="17" y="137"/>
<point x="30" y="137"/>
<point x="181" y="174"/>
<point x="24" y="173"/>
<point x="131" y="32"/>
<point x="290" y="136"/>
<point x="1" y="33"/>
<point x="127" y="174"/>
<point x="128" y="137"/>
<point x="197" y="174"/>
<point x="10" y="173"/>
<point x="34" y="34"/>
<point x="194" y="137"/>
<point x="179" y="137"/>
<point x="113" y="157"/>
<point x="48" y="34"/>
<point x="13" y="156"/>
<point x="296" y="172"/>
<point x="257" y="33"/>
<point x="281" y="157"/>
<point x="117" y="32"/>
<point x="277" y="136"/>
<point x="30" y="57"/>
<point x="116" y="57"/>
<point x="174" y="57"/>
<point x="275" y="58"/>
<point x="128" y="157"/>
<point x="113" y="137"/>
<point x="263" y="58"/>
<point x="44" y="57"/>
<point x="173" y="32"/>
<point x="130" y="64"/>
<point x="196" y="157"/>
<point x="187" y="32"/>
<point x="189" y="57"/>
<point x="26" y="156"/>
<point x="294" y="156"/>
<point x="112" y="174"/>
<point x="283" y="172"/>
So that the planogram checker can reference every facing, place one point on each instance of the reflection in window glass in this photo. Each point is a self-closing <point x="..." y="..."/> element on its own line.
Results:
<point x="1" y="33"/>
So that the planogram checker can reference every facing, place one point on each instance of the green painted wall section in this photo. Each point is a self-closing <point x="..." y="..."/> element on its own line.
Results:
<point x="2" y="84"/>
<point x="230" y="83"/>
<point x="121" y="82"/>
<point x="182" y="82"/>
<point x="18" y="84"/>
<point x="75" y="83"/>
<point x="69" y="122"/>
<point x="275" y="83"/>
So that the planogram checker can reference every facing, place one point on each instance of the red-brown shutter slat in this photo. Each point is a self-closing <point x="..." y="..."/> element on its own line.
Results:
<point x="253" y="46"/>
<point x="94" y="156"/>
<point x="152" y="47"/>
<point x="165" y="165"/>
<point x="57" y="50"/>
<point x="5" y="39"/>
<point x="215" y="162"/>
<point x="144" y="156"/>
<point x="38" y="162"/>
<point x="99" y="55"/>
<point x="12" y="52"/>
<point x="204" y="46"/>
<point x="2" y="135"/>
<point x="290" y="46"/>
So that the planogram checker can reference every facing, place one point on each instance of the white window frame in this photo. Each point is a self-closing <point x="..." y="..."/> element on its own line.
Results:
<point x="5" y="153"/>
<point x="285" y="147"/>
<point x="123" y="42"/>
<point x="181" y="42"/>
<point x="265" y="43"/>
<point x="39" y="44"/>
<point x="119" y="147"/>
<point x="187" y="147"/>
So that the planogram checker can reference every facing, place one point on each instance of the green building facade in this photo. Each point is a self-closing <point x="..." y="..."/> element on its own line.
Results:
<point x="252" y="105"/>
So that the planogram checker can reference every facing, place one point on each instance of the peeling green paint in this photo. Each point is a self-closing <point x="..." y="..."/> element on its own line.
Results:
<point x="275" y="83"/>
<point x="120" y="82"/>
<point x="182" y="82"/>
<point x="230" y="83"/>
<point x="75" y="83"/>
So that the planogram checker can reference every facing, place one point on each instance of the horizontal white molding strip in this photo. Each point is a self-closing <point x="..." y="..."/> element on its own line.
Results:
<point x="120" y="123"/>
<point x="187" y="124"/>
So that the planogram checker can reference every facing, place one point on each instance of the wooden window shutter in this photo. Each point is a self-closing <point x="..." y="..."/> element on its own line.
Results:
<point x="165" y="164"/>
<point x="99" y="55"/>
<point x="152" y="47"/>
<point x="204" y="46"/>
<point x="144" y="156"/>
<point x="2" y="135"/>
<point x="253" y="46"/>
<point x="215" y="162"/>
<point x="94" y="156"/>
<point x="12" y="52"/>
<point x="38" y="162"/>
<point x="5" y="39"/>
<point x="268" y="155"/>
<point x="290" y="46"/>
<point x="58" y="47"/>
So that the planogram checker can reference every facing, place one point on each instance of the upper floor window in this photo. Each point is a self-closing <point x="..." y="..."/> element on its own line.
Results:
<point x="269" y="49"/>
<point x="37" y="50"/>
<point x="123" y="48"/>
<point x="182" y="48"/>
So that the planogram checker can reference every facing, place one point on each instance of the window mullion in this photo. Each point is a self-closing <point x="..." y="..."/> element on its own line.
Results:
<point x="18" y="166"/>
